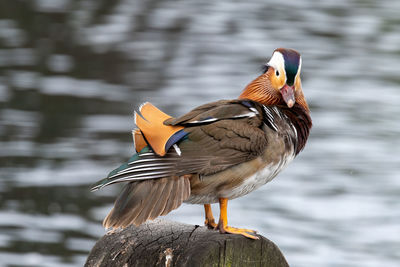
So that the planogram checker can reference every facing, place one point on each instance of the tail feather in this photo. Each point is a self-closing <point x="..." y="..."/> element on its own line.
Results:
<point x="143" y="200"/>
<point x="169" y="205"/>
<point x="127" y="205"/>
<point x="162" y="201"/>
<point x="146" y="209"/>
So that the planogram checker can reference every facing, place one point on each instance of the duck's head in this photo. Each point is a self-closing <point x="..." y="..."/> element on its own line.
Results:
<point x="280" y="82"/>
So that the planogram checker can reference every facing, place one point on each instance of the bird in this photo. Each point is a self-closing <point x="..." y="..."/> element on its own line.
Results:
<point x="217" y="152"/>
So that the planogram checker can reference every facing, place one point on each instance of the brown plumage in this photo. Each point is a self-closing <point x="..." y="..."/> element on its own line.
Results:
<point x="218" y="151"/>
<point x="148" y="199"/>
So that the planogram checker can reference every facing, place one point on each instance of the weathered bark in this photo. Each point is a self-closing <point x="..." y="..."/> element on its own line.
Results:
<point x="166" y="243"/>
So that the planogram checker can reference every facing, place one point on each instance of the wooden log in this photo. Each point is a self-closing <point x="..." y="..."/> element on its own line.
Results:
<point x="165" y="243"/>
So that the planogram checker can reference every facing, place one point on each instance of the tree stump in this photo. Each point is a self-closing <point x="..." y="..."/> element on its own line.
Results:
<point x="165" y="243"/>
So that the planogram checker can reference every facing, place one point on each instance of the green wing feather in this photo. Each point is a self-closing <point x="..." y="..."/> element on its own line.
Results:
<point x="103" y="182"/>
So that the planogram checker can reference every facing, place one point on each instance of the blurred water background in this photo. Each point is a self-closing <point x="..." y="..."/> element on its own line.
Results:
<point x="72" y="72"/>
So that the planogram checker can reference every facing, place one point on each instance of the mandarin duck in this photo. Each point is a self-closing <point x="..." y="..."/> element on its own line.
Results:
<point x="218" y="151"/>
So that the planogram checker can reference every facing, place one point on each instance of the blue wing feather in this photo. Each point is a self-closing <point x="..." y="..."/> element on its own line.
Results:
<point x="176" y="137"/>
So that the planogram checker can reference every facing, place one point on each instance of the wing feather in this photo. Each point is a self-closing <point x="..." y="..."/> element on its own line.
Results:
<point x="235" y="137"/>
<point x="215" y="111"/>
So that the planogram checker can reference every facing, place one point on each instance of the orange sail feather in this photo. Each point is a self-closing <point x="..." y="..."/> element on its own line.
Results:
<point x="150" y="121"/>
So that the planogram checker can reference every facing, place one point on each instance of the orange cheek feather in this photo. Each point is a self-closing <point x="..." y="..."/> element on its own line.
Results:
<point x="297" y="83"/>
<point x="299" y="93"/>
<point x="277" y="82"/>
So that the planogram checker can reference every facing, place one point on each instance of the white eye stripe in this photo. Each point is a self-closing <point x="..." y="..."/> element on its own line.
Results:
<point x="278" y="63"/>
<point x="299" y="69"/>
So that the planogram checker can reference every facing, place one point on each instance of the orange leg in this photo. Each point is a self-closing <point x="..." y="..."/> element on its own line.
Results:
<point x="210" y="222"/>
<point x="223" y="222"/>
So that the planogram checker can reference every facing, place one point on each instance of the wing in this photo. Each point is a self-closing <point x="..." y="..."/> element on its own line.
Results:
<point x="210" y="138"/>
<point x="217" y="146"/>
<point x="217" y="111"/>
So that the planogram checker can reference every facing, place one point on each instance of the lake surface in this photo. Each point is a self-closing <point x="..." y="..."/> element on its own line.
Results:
<point x="72" y="72"/>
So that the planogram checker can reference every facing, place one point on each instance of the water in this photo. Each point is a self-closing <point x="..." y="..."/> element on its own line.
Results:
<point x="72" y="72"/>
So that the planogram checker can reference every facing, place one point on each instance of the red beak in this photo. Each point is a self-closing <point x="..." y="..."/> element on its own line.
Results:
<point x="288" y="95"/>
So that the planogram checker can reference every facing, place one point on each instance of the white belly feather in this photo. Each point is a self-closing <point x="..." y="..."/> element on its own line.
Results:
<point x="258" y="179"/>
<point x="248" y="185"/>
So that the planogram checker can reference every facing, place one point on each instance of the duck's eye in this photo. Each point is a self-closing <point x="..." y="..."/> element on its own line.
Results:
<point x="277" y="73"/>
